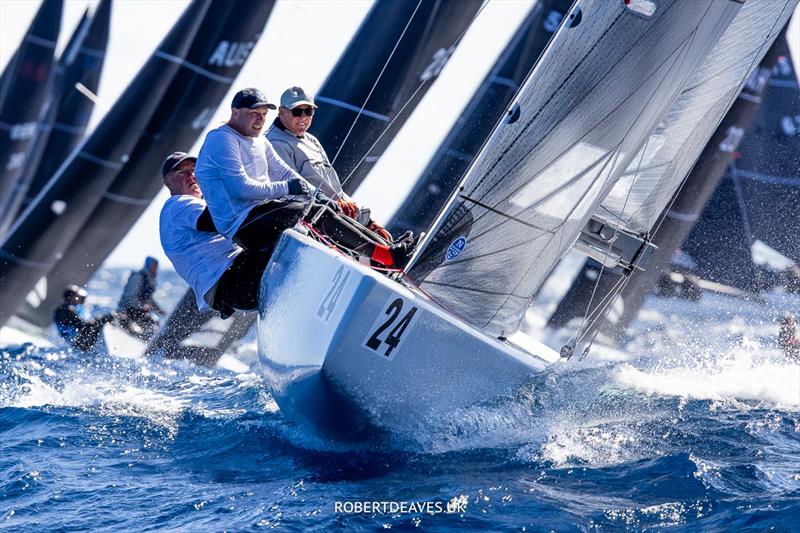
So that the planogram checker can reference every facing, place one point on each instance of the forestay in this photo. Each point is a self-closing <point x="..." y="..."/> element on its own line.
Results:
<point x="599" y="90"/>
<point x="641" y="194"/>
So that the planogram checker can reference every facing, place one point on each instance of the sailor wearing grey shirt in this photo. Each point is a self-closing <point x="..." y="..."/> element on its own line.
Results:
<point x="250" y="191"/>
<point x="300" y="149"/>
<point x="303" y="152"/>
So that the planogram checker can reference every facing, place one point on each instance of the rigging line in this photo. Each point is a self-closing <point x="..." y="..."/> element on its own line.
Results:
<point x="408" y="100"/>
<point x="663" y="217"/>
<point x="671" y="57"/>
<point x="567" y="79"/>
<point x="611" y="241"/>
<point x="374" y="85"/>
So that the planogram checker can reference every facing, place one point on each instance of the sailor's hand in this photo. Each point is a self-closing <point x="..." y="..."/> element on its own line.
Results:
<point x="380" y="230"/>
<point x="350" y="209"/>
<point x="297" y="186"/>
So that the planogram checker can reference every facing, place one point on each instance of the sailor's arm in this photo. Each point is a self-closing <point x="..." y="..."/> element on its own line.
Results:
<point x="225" y="156"/>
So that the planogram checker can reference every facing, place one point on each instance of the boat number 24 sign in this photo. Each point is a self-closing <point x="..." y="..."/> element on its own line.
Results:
<point x="390" y="327"/>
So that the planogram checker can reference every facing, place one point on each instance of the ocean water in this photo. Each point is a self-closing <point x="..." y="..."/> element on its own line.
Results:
<point x="696" y="427"/>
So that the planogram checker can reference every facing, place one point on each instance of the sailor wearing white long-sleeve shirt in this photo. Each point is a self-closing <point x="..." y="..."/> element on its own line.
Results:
<point x="251" y="193"/>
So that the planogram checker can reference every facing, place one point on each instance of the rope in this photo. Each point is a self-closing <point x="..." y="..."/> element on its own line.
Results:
<point x="408" y="100"/>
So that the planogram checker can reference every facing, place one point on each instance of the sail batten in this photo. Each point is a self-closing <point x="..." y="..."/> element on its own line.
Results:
<point x="592" y="101"/>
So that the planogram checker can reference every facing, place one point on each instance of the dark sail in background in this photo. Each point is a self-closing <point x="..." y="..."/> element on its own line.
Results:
<point x="422" y="52"/>
<point x="24" y="91"/>
<point x="677" y="223"/>
<point x="9" y="208"/>
<point x="760" y="195"/>
<point x="216" y="56"/>
<point x="474" y="125"/>
<point x="69" y="112"/>
<point x="45" y="229"/>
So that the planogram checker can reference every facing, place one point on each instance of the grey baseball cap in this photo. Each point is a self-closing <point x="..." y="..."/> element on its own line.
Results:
<point x="295" y="96"/>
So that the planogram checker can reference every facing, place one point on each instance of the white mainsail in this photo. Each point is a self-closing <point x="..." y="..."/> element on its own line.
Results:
<point x="641" y="194"/>
<point x="592" y="101"/>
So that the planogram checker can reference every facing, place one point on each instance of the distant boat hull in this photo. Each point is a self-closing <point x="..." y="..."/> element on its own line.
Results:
<point x="347" y="350"/>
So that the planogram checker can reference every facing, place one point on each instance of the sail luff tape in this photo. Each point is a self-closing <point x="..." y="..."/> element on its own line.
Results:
<point x="102" y="162"/>
<point x="193" y="67"/>
<point x="351" y="107"/>
<point x="126" y="199"/>
<point x="24" y="262"/>
<point x="41" y="42"/>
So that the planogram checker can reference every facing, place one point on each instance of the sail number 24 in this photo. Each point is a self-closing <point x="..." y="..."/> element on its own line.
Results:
<point x="389" y="328"/>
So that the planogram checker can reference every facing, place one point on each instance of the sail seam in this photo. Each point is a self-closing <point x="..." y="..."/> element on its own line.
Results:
<point x="351" y="107"/>
<point x="125" y="199"/>
<point x="24" y="262"/>
<point x="193" y="67"/>
<point x="40" y="41"/>
<point x="103" y="162"/>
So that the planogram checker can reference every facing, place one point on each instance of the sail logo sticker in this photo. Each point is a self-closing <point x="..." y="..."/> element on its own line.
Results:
<point x="328" y="304"/>
<point x="455" y="248"/>
<point x="386" y="333"/>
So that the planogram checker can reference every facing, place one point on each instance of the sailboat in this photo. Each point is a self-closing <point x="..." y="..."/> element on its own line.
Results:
<point x="216" y="55"/>
<point x="44" y="230"/>
<point x="345" y="348"/>
<point x="399" y="44"/>
<point x="23" y="90"/>
<point x="67" y="116"/>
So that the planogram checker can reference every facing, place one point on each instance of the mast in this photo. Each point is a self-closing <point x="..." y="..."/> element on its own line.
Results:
<point x="25" y="85"/>
<point x="69" y="110"/>
<point x="214" y="60"/>
<point x="451" y="160"/>
<point x="373" y="74"/>
<point x="45" y="229"/>
<point x="673" y="220"/>
<point x="573" y="131"/>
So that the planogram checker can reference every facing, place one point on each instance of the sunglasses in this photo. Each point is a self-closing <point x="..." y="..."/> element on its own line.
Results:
<point x="299" y="112"/>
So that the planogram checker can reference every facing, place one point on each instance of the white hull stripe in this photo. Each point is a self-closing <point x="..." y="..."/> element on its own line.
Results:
<point x="102" y="162"/>
<point x="193" y="67"/>
<point x="351" y="107"/>
<point x="24" y="262"/>
<point x="766" y="178"/>
<point x="41" y="42"/>
<point x="125" y="199"/>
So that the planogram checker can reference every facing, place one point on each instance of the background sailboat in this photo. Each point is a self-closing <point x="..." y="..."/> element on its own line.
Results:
<point x="42" y="233"/>
<point x="68" y="111"/>
<point x="25" y="85"/>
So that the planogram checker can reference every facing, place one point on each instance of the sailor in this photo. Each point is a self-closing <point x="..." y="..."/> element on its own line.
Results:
<point x="137" y="303"/>
<point x="303" y="152"/>
<point x="81" y="333"/>
<point x="222" y="275"/>
<point x="788" y="338"/>
<point x="253" y="195"/>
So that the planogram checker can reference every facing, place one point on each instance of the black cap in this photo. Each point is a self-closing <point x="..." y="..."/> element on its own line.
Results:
<point x="74" y="290"/>
<point x="173" y="160"/>
<point x="250" y="98"/>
